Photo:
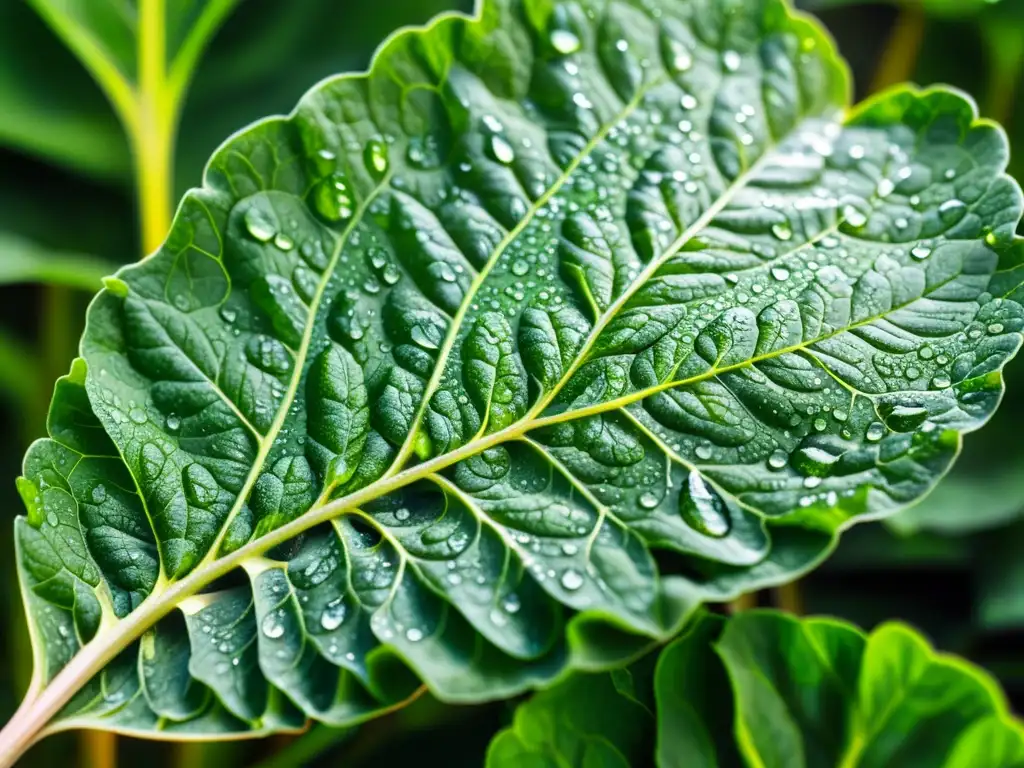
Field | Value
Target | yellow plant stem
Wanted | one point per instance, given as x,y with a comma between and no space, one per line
900,55
153,137
789,598
744,602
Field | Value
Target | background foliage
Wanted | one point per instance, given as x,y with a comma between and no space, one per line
68,215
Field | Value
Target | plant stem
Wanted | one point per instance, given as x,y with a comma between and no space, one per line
744,602
900,55
153,139
789,598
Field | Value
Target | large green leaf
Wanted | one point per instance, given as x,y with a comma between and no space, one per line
497,360
805,693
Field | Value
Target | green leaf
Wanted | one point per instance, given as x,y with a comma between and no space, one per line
494,362
585,720
22,261
804,692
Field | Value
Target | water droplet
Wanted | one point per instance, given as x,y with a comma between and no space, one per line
520,267
52,519
941,381
332,200
921,252
952,211
572,579
283,242
173,423
402,513
995,328
703,451
564,41
885,187
814,461
812,481
228,315
782,231
333,615
876,431
413,635
501,150
511,603
702,508
731,61
272,625
853,217
778,459
780,273
857,152
689,101
420,337
138,416
648,500
99,494
258,226
906,418
375,155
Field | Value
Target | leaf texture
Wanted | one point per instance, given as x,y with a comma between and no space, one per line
770,690
496,361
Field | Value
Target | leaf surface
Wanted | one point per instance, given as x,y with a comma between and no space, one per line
767,689
496,361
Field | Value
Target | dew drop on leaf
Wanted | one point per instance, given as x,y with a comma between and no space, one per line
648,500
702,508
272,625
782,231
572,579
564,41
258,226
375,155
905,418
333,615
778,459
414,635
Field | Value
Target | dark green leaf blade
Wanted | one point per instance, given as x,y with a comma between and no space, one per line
497,360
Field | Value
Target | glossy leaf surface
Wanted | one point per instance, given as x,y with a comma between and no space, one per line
498,360
768,689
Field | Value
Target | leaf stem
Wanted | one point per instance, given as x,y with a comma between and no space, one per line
153,137
900,55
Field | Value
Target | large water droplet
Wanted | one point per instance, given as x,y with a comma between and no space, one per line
952,211
648,500
814,461
564,41
333,615
375,155
332,199
876,431
778,459
906,418
782,231
572,579
501,150
702,508
273,626
258,226
921,252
